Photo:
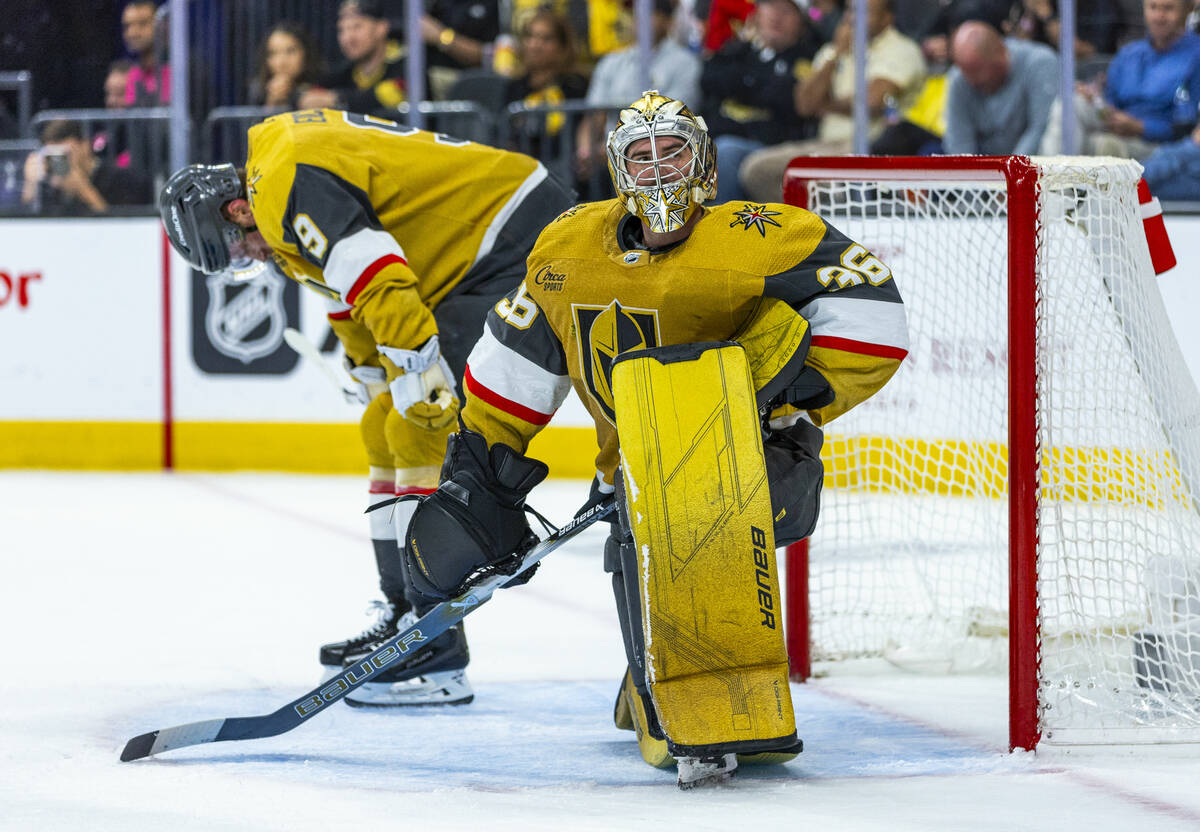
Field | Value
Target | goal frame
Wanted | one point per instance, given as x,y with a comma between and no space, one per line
1020,178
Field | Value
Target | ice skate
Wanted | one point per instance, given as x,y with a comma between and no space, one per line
333,656
434,675
445,687
695,772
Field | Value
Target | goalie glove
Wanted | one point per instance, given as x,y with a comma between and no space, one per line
474,521
424,392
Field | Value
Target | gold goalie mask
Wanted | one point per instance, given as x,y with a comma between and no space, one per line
663,182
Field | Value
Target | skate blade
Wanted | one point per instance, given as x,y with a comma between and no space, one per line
695,773
445,688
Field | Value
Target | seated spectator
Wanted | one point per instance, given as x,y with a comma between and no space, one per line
149,80
895,70
115,84
1095,25
749,86
617,80
457,35
919,130
547,54
373,79
112,140
935,43
1149,93
1173,170
288,64
1000,93
65,178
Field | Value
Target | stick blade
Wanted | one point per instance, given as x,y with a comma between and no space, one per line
164,739
139,747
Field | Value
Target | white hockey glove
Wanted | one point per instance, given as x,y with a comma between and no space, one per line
368,382
424,392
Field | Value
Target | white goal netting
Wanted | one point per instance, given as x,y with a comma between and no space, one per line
910,560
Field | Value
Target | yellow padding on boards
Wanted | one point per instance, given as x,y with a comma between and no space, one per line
318,448
701,514
80,446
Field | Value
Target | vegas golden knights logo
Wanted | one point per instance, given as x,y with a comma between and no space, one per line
605,332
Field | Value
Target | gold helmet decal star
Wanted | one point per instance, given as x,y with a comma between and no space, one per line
663,207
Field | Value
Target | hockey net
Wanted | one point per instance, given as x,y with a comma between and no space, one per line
1021,495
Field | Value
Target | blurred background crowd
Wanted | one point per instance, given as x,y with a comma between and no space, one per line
85,85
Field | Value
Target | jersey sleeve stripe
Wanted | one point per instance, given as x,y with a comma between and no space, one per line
352,255
520,387
337,310
369,272
859,347
475,388
858,320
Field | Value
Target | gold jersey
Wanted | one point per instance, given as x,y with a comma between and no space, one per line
591,293
381,219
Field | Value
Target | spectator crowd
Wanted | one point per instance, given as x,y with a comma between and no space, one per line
774,79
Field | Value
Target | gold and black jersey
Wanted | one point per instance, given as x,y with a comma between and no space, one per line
588,296
383,220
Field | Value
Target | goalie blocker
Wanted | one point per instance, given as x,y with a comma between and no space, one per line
693,555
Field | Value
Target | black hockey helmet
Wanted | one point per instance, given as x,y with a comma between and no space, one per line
190,205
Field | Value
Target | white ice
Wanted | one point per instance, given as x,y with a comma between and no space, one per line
139,601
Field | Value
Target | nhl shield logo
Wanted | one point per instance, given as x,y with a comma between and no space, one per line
246,318
605,332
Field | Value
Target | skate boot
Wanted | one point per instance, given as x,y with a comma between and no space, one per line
333,656
433,675
696,772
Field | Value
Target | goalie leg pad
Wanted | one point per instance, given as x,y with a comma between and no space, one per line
630,713
700,514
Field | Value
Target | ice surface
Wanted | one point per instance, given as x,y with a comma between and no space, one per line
138,601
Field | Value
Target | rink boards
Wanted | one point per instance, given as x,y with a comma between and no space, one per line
114,355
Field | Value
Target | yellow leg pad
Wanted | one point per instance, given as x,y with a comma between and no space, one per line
701,514
629,714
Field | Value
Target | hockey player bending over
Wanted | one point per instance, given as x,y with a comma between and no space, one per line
710,344
410,238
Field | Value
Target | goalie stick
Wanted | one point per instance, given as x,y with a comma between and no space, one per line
437,621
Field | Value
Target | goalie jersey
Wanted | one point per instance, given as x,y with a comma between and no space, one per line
384,220
591,293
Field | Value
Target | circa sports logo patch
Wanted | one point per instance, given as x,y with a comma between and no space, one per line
604,332
755,216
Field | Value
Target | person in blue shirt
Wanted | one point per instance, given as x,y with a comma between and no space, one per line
1173,170
1150,91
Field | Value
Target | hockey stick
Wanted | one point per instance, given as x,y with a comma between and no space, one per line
304,347
437,621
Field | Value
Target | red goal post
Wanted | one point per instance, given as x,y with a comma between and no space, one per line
1055,217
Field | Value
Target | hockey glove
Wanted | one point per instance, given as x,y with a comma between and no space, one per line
475,521
424,392
369,382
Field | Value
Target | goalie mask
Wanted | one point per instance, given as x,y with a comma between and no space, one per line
190,205
662,182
